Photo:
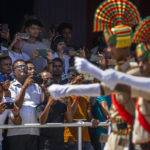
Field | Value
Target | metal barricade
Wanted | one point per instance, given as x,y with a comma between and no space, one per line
78,124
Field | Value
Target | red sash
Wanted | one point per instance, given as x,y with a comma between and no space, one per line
121,110
144,123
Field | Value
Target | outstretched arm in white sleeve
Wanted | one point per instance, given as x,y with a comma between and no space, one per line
58,91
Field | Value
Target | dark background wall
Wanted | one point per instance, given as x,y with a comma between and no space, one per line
58,11
78,12
12,12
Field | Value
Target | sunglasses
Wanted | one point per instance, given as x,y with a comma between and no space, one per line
21,66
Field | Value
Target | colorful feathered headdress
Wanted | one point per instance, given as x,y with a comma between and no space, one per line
142,38
116,17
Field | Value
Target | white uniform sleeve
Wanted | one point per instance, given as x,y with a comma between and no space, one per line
58,91
142,83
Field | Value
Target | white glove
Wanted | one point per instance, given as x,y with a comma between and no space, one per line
83,66
58,91
109,76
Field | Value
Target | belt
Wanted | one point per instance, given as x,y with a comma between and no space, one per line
121,127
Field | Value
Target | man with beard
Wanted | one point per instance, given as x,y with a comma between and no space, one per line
27,95
58,70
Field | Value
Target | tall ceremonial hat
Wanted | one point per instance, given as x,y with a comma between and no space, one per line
116,18
142,37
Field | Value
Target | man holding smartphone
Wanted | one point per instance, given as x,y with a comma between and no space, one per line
7,108
27,95
31,45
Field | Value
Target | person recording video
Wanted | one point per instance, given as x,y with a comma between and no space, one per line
7,106
27,95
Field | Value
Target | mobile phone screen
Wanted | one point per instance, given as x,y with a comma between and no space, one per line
42,52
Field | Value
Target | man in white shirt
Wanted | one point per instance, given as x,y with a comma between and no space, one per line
27,95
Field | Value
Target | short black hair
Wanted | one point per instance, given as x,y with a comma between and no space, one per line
31,22
28,62
3,58
57,60
63,26
57,39
13,66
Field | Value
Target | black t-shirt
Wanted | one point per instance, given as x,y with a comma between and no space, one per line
56,115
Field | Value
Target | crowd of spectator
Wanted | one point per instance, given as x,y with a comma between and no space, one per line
30,62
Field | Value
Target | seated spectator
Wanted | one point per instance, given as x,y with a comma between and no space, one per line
6,66
58,46
15,52
58,71
65,29
33,27
6,111
53,111
27,95
81,109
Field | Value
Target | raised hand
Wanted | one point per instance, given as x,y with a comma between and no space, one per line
82,65
15,111
2,107
28,82
34,55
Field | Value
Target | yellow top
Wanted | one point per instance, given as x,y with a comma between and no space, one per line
71,134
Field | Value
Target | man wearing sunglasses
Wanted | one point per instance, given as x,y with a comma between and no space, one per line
27,95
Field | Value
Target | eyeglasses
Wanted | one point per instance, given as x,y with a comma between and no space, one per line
21,66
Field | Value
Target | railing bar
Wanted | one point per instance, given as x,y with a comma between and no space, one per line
51,125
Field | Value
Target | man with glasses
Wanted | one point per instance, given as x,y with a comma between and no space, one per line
27,95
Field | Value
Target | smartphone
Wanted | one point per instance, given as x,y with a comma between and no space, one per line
9,105
37,79
5,27
24,36
42,52
88,77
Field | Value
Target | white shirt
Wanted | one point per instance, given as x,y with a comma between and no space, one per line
33,97
15,56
